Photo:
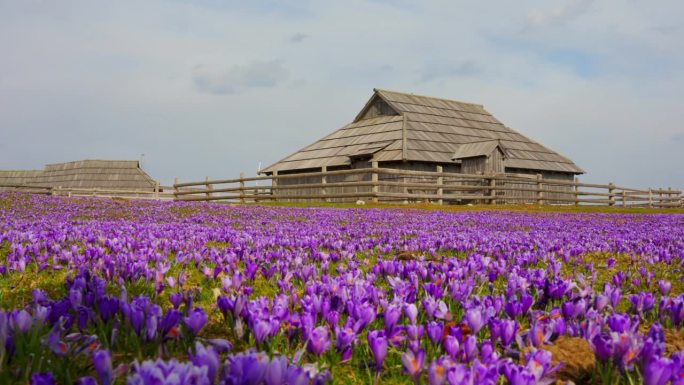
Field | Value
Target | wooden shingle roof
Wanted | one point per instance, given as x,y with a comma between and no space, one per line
19,176
476,149
104,174
425,129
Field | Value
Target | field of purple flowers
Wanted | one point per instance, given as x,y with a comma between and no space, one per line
121,292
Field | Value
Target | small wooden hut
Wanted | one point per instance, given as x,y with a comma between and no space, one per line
412,132
84,174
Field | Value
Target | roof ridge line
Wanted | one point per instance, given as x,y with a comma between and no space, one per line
426,96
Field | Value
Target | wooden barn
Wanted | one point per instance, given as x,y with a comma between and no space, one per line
411,132
84,174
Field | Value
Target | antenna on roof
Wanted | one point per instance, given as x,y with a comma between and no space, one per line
141,159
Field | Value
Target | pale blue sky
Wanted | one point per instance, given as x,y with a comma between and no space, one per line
214,87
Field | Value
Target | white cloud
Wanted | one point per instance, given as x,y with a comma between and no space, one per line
299,37
558,16
257,74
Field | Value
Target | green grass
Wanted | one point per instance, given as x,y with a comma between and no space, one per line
16,288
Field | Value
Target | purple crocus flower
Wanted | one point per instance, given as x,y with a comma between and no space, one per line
469,348
344,337
195,320
43,379
161,372
261,330
518,375
54,342
413,363
602,345
21,321
411,312
276,371
513,309
136,316
169,322
474,319
107,307
539,365
451,346
319,341
378,345
435,331
246,368
415,332
507,331
601,301
437,372
176,299
224,304
75,297
151,325
658,371
102,361
539,334
206,357
664,287
392,315
297,376
626,349
459,374
396,336
220,345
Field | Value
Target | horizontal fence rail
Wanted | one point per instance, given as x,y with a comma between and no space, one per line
159,192
393,185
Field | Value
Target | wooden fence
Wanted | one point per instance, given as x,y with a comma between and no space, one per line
392,185
159,192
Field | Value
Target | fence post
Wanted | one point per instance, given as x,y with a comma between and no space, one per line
324,181
440,184
624,198
540,193
405,190
175,189
374,181
576,190
242,187
660,198
274,186
209,186
611,196
650,197
156,190
492,190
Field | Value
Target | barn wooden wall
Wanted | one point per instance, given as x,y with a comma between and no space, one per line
467,167
565,192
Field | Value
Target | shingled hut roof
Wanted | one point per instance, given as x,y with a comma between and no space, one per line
105,174
396,126
11,177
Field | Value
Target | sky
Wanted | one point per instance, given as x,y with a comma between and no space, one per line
214,88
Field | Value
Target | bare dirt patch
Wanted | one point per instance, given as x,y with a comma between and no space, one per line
674,341
577,359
